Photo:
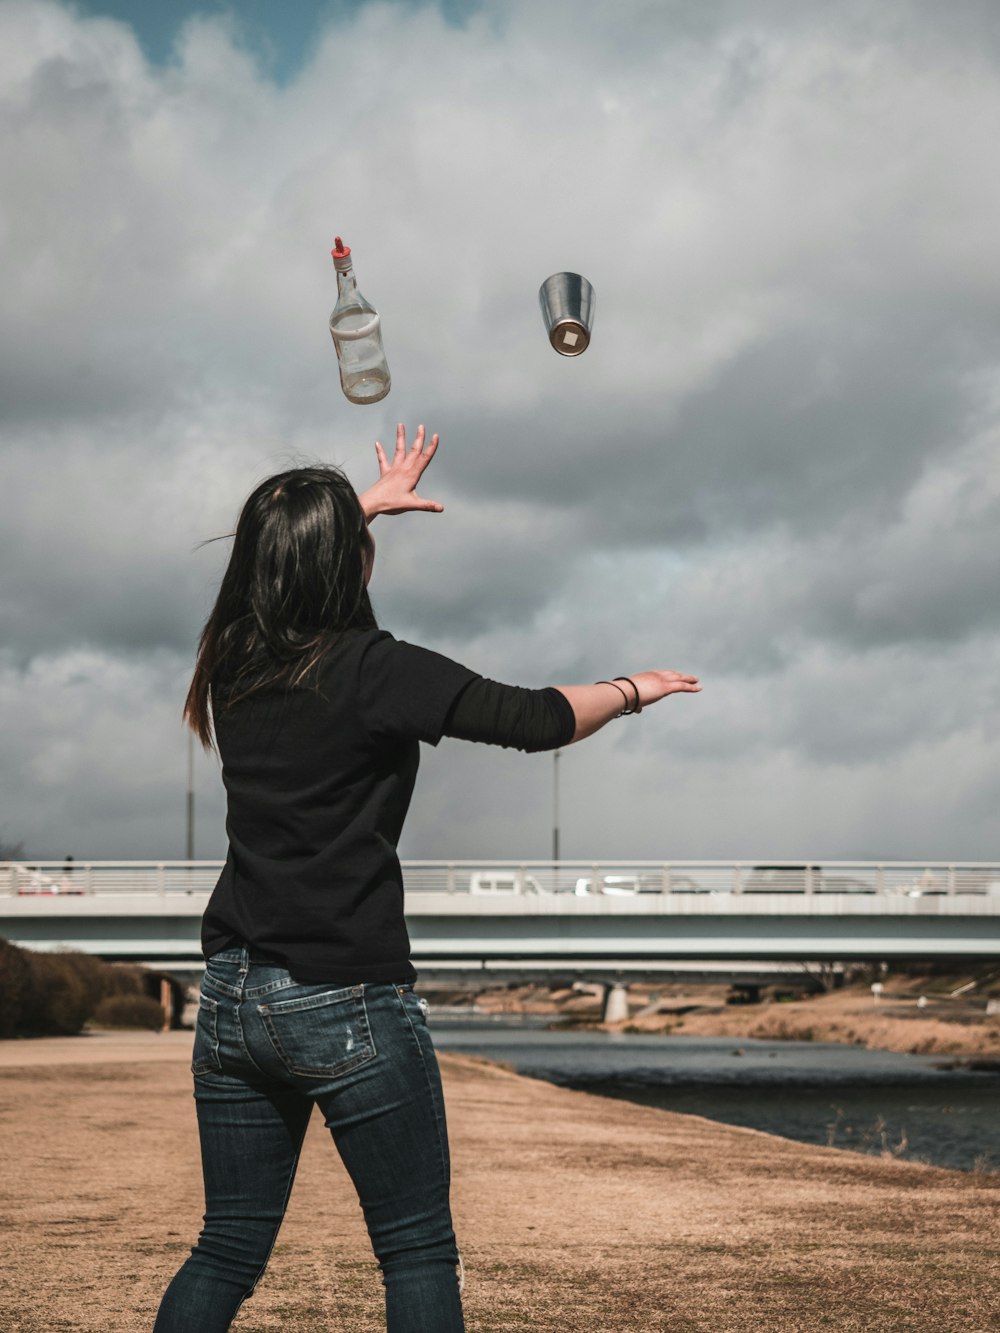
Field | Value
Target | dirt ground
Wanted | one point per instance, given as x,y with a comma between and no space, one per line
575,1214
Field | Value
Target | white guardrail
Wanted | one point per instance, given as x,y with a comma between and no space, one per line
495,879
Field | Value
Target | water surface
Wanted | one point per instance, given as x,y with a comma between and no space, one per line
912,1106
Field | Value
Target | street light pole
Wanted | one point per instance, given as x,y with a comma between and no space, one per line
556,755
189,841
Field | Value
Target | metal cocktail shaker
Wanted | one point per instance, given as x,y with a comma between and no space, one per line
567,301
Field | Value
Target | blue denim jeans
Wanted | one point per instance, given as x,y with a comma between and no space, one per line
266,1049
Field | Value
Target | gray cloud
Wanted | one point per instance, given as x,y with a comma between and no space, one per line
776,465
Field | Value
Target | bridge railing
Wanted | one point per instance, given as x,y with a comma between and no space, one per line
498,878
50,878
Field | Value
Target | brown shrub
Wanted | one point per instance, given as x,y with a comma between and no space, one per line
14,984
60,995
64,990
129,1011
54,994
126,979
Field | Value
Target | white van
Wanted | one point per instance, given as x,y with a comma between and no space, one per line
503,882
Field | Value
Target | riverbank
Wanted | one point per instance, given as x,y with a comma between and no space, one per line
575,1213
914,1015
893,1025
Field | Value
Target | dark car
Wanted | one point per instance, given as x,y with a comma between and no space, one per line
843,884
785,878
802,879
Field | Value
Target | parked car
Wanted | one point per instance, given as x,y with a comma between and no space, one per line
503,882
842,884
627,885
802,879
620,885
782,879
928,883
977,879
685,884
32,881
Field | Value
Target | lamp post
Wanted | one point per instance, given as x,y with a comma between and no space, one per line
189,840
556,755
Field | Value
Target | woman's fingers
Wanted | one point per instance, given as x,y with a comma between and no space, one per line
658,684
682,684
400,477
421,448
395,492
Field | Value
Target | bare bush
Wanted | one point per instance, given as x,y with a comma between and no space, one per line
129,1011
14,987
55,994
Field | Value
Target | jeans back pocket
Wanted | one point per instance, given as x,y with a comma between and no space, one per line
205,1056
320,1035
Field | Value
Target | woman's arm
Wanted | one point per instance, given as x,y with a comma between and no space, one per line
489,710
509,715
558,715
395,492
595,705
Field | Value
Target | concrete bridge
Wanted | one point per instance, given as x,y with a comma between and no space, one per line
751,923
586,919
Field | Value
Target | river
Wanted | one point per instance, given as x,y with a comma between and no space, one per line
912,1106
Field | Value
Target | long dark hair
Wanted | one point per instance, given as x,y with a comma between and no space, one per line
295,580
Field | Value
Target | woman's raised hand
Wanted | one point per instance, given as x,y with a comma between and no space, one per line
395,492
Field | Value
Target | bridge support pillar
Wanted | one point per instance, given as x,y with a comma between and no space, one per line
615,1003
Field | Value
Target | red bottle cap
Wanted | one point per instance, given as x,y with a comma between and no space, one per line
340,250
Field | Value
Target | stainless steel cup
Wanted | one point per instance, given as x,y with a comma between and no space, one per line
567,302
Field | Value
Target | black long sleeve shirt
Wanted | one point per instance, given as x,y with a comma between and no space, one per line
318,782
529,720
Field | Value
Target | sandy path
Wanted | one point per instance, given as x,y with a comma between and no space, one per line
575,1214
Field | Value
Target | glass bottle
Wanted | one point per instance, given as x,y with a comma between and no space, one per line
356,330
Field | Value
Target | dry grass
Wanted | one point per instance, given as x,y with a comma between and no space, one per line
850,1018
576,1214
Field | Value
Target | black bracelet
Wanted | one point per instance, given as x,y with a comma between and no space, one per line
637,706
625,708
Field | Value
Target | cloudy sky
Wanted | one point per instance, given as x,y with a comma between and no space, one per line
776,466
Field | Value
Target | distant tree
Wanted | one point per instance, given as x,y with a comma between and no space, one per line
10,851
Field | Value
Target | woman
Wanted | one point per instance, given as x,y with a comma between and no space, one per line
308,992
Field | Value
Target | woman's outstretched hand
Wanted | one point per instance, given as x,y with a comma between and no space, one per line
395,492
656,685
595,705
